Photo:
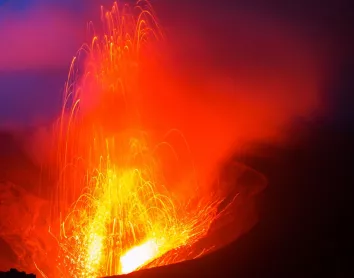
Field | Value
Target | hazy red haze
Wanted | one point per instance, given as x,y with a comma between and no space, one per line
221,85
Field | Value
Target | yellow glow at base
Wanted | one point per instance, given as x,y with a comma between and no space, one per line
138,256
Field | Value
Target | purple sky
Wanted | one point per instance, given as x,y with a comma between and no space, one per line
40,37
39,40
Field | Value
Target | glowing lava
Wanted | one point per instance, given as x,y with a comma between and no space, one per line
116,212
139,255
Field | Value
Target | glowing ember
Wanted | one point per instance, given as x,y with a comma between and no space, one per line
123,216
139,255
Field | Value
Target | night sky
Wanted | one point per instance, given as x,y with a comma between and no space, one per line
40,37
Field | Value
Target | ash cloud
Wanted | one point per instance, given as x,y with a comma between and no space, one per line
225,77
235,78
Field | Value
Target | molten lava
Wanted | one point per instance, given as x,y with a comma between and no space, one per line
117,211
139,255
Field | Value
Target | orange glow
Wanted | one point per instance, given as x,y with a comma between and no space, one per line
117,211
139,255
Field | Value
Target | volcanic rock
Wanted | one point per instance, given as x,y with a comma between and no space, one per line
14,273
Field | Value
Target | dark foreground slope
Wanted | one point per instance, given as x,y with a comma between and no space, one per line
304,228
13,273
306,212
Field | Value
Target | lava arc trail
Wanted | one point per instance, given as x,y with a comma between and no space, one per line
131,192
117,212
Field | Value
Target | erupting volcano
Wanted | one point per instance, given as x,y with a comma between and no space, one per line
124,217
117,204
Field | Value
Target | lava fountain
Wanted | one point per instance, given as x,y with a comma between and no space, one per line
117,212
126,197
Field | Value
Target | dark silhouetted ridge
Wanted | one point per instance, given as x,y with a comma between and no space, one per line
14,273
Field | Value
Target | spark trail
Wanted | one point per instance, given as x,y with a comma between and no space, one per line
116,211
